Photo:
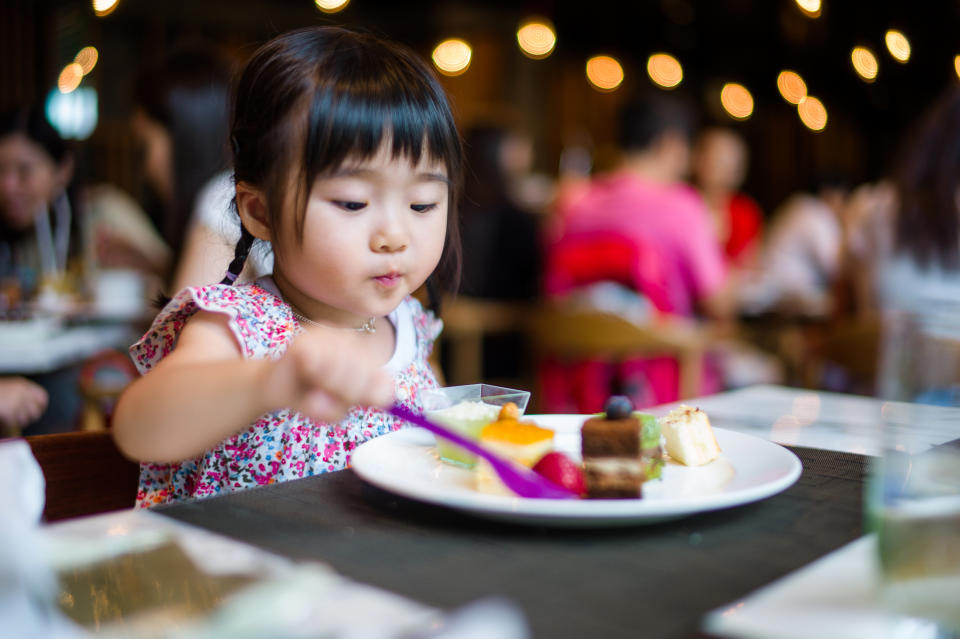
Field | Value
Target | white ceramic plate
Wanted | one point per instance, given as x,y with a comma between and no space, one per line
750,469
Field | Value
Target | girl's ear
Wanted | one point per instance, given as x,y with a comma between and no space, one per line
252,207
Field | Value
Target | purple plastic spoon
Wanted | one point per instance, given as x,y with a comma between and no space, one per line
517,478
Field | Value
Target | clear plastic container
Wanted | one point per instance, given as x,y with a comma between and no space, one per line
467,409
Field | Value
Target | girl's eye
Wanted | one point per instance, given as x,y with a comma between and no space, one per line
423,208
350,206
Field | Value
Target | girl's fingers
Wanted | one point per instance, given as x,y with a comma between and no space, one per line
335,374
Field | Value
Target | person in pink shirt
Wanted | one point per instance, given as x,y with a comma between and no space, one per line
644,229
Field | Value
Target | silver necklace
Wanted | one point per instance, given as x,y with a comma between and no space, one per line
367,326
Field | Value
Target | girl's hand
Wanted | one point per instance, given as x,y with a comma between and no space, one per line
21,402
324,372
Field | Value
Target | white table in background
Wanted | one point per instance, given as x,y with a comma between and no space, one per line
817,419
62,346
836,595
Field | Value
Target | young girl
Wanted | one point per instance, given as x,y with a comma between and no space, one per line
346,161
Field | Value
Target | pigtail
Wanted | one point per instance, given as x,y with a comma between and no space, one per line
239,256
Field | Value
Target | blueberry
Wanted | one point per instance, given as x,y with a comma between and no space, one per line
618,407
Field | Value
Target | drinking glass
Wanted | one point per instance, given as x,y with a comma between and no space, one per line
467,409
913,499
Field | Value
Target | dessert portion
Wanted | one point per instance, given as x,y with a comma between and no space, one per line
523,442
621,450
689,436
467,417
562,471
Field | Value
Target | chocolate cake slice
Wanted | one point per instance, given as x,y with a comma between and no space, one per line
621,450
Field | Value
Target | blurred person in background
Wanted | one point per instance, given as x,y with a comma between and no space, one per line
55,234
904,232
801,259
180,118
719,167
501,238
636,241
501,251
55,240
40,217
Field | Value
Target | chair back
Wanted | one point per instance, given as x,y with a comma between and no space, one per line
573,333
466,321
580,258
85,474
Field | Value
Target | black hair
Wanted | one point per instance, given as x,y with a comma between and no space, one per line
312,98
32,122
928,183
644,118
187,93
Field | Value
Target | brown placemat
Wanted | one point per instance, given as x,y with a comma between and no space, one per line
652,581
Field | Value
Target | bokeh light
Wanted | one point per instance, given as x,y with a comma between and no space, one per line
604,72
898,45
104,7
452,56
87,59
536,38
664,70
864,63
791,86
70,77
956,65
812,113
736,100
810,8
74,115
331,6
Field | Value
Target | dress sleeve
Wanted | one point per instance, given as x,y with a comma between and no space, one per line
261,324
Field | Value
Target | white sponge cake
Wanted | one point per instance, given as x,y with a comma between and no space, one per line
688,436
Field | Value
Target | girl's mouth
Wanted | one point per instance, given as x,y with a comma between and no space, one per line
388,280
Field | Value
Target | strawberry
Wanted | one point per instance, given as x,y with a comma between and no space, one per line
560,469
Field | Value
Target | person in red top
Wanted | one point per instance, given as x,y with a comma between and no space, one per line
636,241
719,167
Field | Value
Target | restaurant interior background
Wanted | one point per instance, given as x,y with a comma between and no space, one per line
746,44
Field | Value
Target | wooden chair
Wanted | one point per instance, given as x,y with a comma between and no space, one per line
852,344
85,474
573,334
466,321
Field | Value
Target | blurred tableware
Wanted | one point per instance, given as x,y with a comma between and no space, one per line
29,330
521,480
913,497
11,293
119,293
467,409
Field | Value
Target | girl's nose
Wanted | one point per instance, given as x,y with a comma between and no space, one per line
389,237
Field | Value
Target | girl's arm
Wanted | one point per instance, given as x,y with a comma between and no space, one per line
204,391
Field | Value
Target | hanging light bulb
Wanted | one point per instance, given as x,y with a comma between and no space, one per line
604,72
452,56
664,70
791,86
536,38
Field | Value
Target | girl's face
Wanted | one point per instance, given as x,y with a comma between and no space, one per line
29,180
373,232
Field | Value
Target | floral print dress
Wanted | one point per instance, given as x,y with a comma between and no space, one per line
284,444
